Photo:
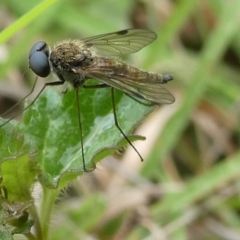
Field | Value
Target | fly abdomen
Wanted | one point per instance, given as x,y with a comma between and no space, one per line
139,75
161,78
117,69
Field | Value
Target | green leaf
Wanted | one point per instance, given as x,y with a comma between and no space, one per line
18,165
52,123
24,228
5,235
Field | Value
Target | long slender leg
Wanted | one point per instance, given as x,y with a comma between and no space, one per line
79,116
80,127
118,127
45,85
115,119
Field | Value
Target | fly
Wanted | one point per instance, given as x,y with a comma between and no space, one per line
76,61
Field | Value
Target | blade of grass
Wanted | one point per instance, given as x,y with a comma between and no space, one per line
25,20
178,207
177,19
225,171
214,47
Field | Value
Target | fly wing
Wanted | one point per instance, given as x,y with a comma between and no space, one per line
148,90
119,43
152,92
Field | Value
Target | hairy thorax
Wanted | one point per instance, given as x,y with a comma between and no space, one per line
68,55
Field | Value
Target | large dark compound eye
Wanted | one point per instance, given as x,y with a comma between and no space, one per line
38,59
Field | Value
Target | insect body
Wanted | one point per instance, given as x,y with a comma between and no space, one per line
76,61
93,58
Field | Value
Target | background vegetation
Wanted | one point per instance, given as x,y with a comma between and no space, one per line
188,186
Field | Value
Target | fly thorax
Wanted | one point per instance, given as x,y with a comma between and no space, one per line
65,56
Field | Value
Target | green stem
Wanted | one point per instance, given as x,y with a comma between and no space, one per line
37,225
49,196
